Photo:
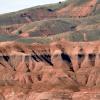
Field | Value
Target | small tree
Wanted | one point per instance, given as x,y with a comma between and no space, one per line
19,32
60,2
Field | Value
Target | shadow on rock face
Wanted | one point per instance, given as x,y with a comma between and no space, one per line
67,59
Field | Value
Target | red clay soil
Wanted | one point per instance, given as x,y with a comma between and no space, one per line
59,71
24,35
79,10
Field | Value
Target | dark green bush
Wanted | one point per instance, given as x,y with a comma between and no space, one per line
18,32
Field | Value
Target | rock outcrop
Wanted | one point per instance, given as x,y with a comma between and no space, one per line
60,66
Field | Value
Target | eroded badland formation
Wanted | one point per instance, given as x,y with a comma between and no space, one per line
37,63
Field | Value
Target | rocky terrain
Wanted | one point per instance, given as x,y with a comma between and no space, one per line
51,52
59,71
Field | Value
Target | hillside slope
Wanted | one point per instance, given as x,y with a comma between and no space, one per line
51,52
73,16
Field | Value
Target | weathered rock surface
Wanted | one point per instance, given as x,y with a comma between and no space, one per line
40,68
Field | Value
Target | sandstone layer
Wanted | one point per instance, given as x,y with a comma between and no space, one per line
68,68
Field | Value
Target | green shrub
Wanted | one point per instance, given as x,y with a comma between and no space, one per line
93,36
76,37
18,32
